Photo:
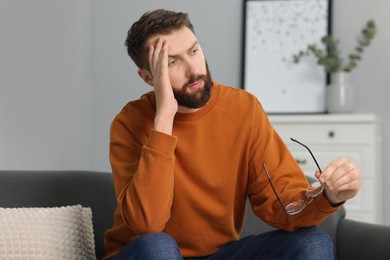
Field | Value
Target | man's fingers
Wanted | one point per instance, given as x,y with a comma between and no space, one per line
348,174
157,51
340,172
331,168
158,58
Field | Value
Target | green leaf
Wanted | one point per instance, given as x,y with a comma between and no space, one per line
329,56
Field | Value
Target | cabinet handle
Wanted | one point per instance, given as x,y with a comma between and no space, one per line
331,134
301,161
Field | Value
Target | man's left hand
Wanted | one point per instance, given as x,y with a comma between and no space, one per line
342,179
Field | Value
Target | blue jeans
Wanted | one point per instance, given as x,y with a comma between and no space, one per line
305,243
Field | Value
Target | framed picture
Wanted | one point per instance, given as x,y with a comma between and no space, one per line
274,31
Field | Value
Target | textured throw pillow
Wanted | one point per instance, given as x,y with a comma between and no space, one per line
46,233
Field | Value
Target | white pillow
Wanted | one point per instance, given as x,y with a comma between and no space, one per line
46,233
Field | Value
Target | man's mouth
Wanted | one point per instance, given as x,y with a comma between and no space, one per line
196,85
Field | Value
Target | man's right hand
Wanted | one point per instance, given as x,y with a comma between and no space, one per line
166,104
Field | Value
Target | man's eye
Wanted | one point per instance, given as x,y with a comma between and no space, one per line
172,62
194,51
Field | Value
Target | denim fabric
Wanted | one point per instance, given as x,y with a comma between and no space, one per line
305,243
150,247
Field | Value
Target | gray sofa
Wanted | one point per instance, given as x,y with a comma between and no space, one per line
353,240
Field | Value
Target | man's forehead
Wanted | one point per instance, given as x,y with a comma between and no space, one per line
175,39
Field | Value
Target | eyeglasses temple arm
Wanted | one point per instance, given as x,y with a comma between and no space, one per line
273,188
318,166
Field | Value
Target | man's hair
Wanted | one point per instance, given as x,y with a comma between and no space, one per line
150,24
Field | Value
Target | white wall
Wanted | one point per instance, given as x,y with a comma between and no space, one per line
64,72
45,91
371,78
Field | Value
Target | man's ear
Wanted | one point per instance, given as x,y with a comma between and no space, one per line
146,76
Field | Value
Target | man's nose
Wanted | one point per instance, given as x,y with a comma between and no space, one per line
191,68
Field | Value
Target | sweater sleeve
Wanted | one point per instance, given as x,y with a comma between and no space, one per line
286,176
143,172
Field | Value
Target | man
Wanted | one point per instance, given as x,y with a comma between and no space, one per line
187,155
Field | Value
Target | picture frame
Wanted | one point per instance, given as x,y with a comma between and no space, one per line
274,31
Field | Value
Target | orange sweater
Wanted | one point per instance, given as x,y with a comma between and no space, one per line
194,185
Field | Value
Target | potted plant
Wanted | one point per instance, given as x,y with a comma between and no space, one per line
330,58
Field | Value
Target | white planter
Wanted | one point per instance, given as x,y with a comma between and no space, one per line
340,93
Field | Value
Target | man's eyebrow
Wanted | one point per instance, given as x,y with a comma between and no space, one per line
193,45
189,49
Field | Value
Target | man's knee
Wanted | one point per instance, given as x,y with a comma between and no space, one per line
151,246
156,240
314,241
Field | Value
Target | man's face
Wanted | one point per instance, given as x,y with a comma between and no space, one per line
187,69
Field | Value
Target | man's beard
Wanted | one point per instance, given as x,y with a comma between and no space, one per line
200,97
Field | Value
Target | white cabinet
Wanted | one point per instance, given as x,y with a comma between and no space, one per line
354,136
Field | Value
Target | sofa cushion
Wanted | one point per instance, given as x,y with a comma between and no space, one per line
46,233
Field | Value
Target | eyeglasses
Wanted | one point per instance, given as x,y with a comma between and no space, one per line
312,191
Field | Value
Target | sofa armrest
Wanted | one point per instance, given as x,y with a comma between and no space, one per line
359,240
330,225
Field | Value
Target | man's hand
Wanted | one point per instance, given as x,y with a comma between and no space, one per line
342,180
166,104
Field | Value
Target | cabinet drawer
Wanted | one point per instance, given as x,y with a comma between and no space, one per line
362,156
327,133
